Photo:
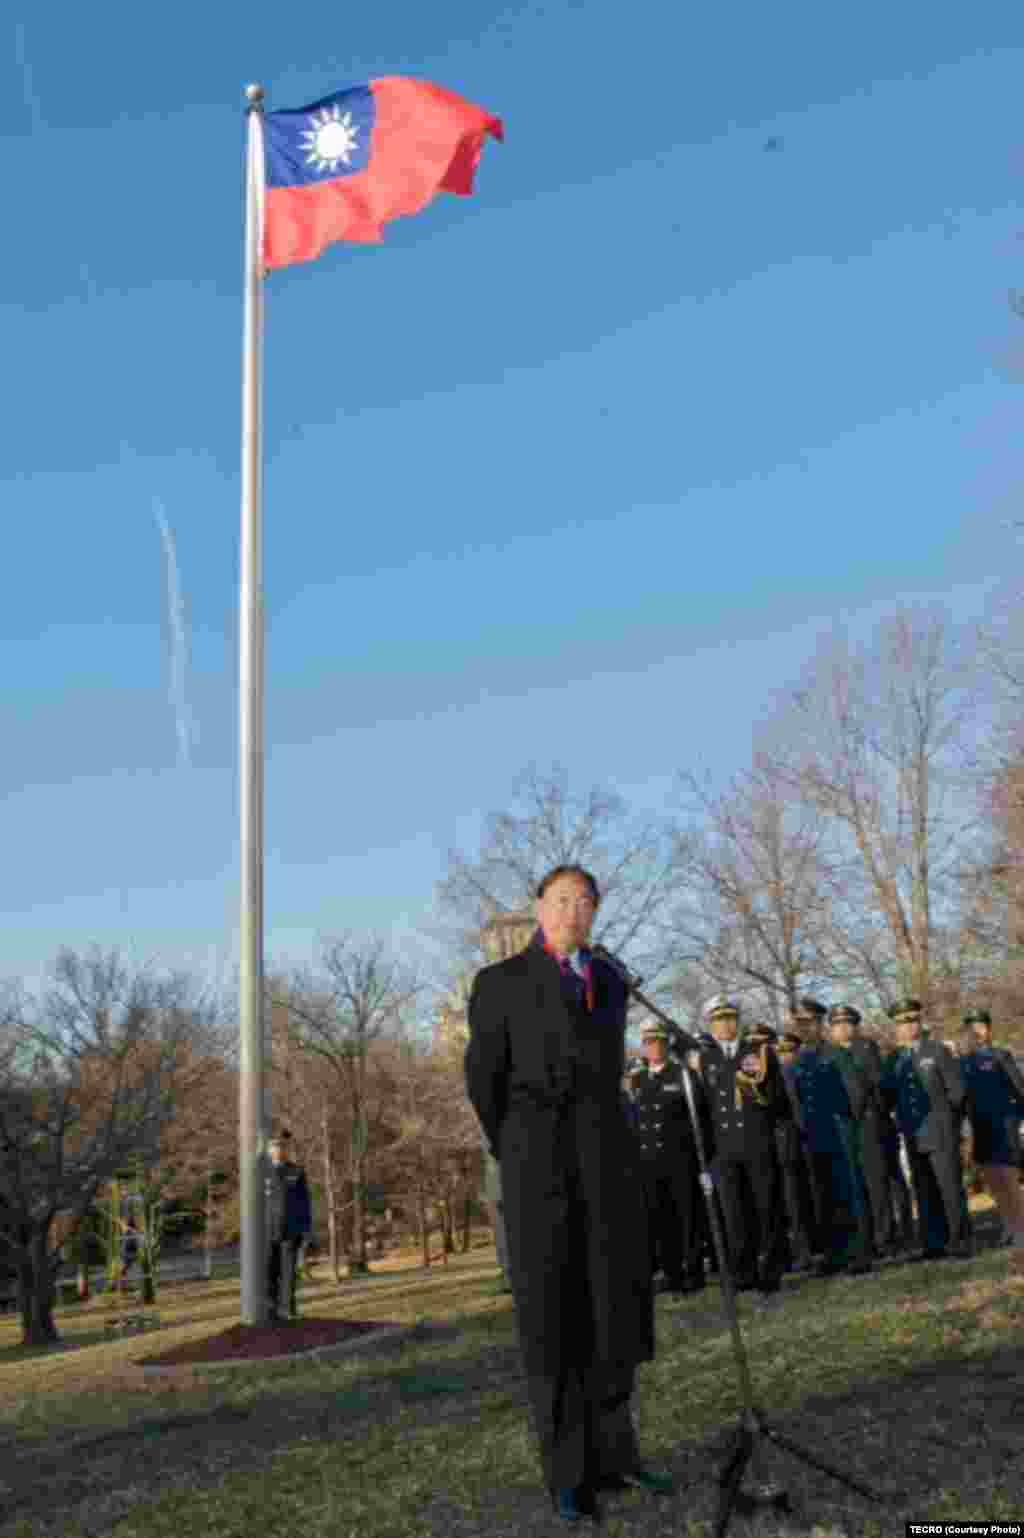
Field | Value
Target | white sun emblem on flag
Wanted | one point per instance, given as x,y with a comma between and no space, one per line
331,139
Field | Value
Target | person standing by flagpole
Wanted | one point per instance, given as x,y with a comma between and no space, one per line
337,169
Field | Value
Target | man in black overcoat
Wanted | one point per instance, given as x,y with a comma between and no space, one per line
544,1069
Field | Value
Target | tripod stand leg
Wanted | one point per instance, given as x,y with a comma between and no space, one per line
814,1462
731,1477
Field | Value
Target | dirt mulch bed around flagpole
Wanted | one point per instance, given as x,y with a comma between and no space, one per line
260,1342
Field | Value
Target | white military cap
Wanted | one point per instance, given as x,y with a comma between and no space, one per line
721,1004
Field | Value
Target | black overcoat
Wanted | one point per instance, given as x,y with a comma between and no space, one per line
544,1076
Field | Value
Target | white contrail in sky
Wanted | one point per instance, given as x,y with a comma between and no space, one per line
178,637
32,101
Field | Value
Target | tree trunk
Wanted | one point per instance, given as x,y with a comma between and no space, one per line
358,1264
208,1229
148,1281
331,1197
36,1293
467,1224
421,1214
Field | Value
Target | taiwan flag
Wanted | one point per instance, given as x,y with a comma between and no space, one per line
340,168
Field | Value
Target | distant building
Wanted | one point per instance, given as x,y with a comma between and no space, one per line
502,936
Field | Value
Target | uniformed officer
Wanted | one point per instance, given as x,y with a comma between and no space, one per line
746,1100
669,1164
994,1088
925,1090
797,1180
831,1101
856,1055
289,1219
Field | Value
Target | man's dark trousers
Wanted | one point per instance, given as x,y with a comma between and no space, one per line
282,1269
673,1203
750,1190
582,1417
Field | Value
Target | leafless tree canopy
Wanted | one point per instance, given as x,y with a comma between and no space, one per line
751,904
359,997
547,823
88,1080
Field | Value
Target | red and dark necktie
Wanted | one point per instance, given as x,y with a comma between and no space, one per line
579,987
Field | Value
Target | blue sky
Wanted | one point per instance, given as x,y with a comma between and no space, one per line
574,470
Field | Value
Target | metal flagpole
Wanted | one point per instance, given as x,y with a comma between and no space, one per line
250,741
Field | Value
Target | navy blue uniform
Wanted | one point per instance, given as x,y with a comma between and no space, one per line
671,1175
831,1102
803,1206
289,1218
745,1164
994,1089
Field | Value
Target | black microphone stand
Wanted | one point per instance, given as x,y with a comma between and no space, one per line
752,1426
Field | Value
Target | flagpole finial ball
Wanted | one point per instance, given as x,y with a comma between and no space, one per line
254,95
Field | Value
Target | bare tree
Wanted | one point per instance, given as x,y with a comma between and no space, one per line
751,903
435,1163
548,823
358,995
882,734
87,1086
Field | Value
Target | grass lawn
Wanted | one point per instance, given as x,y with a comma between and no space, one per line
912,1379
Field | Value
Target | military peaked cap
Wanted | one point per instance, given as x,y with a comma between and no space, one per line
841,1013
906,1009
809,1006
720,1005
977,1017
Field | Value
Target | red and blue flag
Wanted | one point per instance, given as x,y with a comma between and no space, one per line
343,166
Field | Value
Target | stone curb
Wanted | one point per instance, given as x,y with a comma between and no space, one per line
393,1334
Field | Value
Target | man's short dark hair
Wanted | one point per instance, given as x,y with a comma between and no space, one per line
570,870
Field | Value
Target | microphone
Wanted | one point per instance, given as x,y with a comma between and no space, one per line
682,1041
619,967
